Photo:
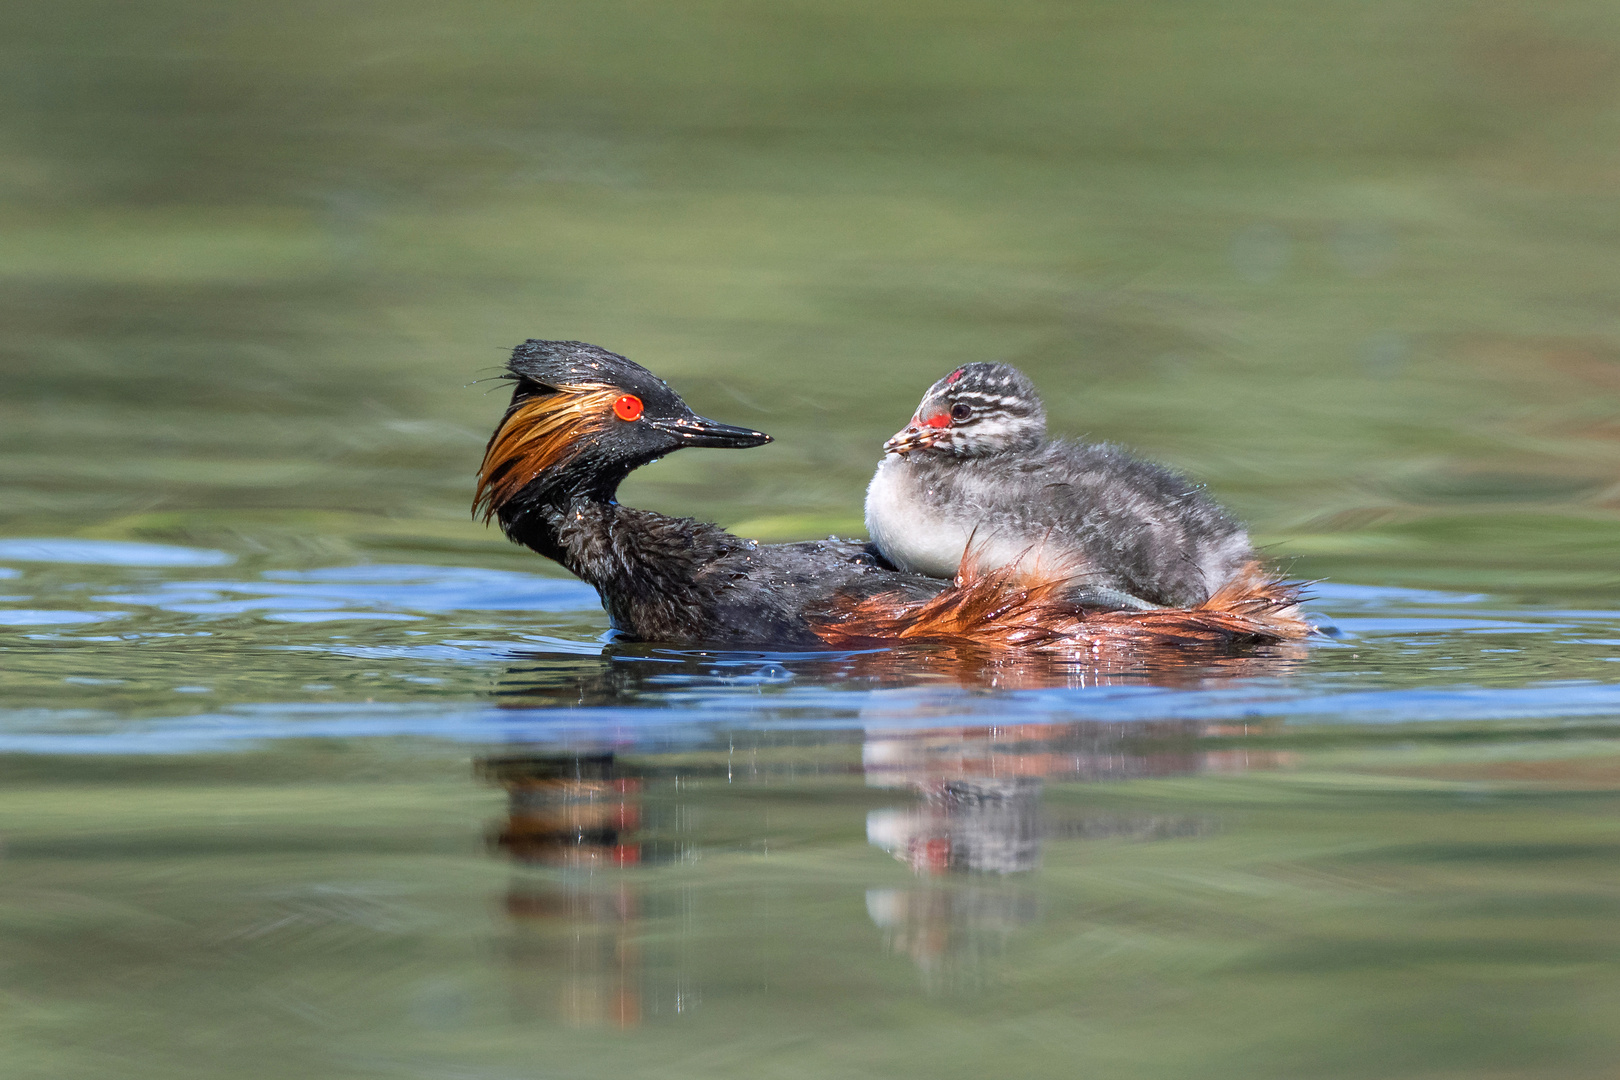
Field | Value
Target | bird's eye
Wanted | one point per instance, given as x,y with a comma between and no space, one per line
627,407
960,412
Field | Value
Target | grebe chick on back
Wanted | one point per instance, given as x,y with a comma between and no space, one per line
974,468
582,418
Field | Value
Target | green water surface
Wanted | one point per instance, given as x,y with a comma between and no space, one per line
1355,266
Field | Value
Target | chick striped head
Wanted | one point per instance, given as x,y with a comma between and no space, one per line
974,411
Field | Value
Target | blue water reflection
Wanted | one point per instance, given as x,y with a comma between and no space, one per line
107,553
368,591
517,657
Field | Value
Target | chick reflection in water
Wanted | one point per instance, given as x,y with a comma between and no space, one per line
980,821
574,951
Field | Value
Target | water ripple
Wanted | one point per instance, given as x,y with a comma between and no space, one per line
108,553
491,656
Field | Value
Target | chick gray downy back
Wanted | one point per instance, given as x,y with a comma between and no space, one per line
974,466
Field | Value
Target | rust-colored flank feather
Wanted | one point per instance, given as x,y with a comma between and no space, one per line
1009,608
537,434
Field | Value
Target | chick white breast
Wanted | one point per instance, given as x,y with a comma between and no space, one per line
923,522
908,524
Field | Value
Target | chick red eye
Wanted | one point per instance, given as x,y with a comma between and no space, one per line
961,412
628,407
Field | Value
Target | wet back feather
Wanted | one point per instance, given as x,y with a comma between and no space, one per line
1007,608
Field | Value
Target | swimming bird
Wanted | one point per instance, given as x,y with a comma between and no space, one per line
582,418
975,471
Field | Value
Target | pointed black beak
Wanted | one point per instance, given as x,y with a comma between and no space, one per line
698,431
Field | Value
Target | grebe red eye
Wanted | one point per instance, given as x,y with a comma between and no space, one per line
960,411
627,407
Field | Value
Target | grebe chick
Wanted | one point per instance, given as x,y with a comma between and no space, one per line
974,467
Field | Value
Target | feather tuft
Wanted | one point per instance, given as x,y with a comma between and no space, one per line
538,434
1009,608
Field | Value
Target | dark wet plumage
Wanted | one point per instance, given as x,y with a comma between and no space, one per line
663,578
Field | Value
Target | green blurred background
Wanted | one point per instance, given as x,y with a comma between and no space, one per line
1351,264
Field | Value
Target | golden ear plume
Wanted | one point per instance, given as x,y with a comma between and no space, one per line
537,434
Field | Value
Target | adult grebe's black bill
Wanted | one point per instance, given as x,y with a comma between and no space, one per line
700,431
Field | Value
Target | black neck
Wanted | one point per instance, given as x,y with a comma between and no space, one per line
547,515
647,567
